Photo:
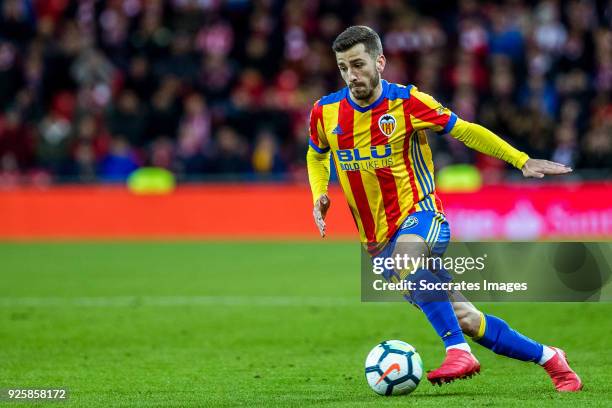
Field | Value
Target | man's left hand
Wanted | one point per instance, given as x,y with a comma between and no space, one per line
540,168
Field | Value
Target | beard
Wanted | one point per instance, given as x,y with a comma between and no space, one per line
364,91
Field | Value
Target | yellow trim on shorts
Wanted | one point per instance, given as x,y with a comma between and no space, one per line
433,234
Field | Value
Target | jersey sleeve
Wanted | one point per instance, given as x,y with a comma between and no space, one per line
317,157
317,139
427,113
483,140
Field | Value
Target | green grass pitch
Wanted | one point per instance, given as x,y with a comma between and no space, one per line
253,324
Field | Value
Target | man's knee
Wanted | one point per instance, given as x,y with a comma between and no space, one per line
469,320
410,245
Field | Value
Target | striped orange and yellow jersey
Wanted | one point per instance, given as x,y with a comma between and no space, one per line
382,158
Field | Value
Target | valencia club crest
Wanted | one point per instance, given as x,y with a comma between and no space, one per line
386,124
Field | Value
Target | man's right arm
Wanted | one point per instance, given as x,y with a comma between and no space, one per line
318,172
317,163
317,157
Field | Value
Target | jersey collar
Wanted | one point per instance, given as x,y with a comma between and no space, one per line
383,95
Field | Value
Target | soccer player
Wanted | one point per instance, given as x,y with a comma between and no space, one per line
376,133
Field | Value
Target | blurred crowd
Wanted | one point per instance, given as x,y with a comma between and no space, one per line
91,89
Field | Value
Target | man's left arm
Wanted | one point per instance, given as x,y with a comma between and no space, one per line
483,140
427,113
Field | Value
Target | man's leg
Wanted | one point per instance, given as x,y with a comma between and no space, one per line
436,305
495,334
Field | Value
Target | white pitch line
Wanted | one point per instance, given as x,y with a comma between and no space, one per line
165,301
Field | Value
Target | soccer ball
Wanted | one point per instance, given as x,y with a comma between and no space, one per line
393,367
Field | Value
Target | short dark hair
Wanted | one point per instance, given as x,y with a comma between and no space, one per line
359,35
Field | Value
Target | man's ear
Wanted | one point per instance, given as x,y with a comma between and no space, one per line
381,61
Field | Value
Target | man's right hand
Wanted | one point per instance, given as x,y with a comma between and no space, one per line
320,211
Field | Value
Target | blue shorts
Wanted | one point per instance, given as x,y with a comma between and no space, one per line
435,231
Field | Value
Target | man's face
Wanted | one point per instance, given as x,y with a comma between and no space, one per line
360,71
